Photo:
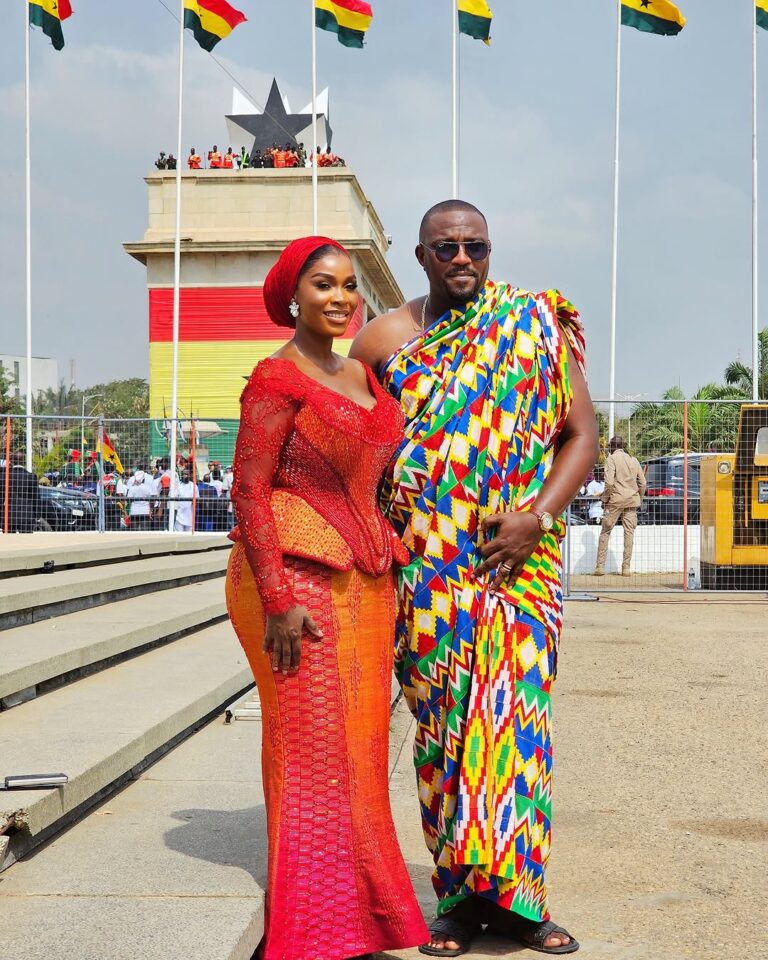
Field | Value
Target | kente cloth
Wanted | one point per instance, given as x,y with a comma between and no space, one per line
485,392
307,466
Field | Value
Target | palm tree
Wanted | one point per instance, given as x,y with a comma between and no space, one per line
739,375
63,401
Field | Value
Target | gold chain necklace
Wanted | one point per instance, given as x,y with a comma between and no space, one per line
424,313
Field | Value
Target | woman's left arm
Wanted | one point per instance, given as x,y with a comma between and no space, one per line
518,533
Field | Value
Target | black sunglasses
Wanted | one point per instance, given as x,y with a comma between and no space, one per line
447,250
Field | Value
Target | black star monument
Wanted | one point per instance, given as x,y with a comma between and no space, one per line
276,125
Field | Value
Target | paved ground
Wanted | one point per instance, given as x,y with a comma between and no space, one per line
661,818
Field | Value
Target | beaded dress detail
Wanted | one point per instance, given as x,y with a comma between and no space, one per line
301,437
307,468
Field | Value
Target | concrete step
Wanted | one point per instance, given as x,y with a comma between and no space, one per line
28,553
170,868
40,656
39,596
104,728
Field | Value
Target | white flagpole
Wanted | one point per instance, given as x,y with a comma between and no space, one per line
176,282
615,249
28,238
314,122
455,97
755,268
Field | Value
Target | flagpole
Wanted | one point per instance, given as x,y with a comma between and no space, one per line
455,98
176,283
755,266
28,237
615,247
314,123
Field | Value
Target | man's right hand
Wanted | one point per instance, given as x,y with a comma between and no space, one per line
282,639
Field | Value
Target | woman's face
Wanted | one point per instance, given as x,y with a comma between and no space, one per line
327,295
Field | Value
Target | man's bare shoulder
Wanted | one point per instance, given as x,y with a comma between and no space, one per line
380,338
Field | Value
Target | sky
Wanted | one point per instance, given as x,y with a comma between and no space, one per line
537,124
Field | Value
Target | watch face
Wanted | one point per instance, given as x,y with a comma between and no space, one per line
547,522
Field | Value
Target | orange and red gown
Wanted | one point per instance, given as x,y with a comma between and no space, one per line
307,466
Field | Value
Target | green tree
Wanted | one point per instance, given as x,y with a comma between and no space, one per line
62,402
8,403
739,375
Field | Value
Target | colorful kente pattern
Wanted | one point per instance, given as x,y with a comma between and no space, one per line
486,393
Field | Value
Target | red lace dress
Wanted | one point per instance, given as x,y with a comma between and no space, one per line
307,467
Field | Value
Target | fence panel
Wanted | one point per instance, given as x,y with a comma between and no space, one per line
681,445
702,523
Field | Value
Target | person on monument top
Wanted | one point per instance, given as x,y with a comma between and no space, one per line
170,162
257,160
500,434
228,162
161,163
214,158
193,160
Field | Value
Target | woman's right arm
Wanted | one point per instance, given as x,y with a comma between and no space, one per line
266,421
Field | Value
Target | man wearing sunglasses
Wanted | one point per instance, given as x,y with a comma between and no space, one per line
500,435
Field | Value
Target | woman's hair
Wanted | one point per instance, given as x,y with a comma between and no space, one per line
294,261
324,251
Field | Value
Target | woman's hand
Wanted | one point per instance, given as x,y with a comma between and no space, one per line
516,537
283,638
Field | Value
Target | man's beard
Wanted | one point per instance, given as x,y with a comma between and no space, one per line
462,288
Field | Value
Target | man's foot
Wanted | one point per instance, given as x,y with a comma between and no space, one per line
545,937
626,572
453,933
599,572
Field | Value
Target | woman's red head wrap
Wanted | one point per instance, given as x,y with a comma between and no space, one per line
280,285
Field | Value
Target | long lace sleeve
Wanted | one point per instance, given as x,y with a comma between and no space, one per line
266,420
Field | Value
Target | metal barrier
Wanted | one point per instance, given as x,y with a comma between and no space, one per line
102,474
703,521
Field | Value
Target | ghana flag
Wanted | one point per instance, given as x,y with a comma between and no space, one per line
211,20
762,14
475,19
48,14
652,16
348,19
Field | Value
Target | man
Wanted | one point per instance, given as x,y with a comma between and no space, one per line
184,515
214,158
140,494
71,472
193,160
500,434
161,163
625,485
23,496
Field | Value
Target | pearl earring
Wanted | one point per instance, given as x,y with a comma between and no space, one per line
293,309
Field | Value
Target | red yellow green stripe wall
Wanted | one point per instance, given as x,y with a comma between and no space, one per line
48,15
211,20
348,19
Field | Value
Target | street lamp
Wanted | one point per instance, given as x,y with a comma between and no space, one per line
92,396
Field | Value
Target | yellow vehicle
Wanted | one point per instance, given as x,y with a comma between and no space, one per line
734,508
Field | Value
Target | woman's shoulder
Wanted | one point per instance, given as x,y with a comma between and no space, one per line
274,377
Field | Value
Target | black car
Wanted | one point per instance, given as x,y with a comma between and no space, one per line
664,496
63,508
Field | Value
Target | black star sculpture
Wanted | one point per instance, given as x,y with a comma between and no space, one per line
276,125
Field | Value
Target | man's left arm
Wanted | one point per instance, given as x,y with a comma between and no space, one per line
517,533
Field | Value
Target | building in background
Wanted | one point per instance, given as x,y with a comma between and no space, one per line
45,374
235,223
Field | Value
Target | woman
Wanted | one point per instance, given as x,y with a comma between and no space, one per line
311,596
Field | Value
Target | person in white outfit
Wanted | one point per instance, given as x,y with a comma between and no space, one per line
183,521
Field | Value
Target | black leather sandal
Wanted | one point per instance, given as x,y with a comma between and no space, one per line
450,928
533,936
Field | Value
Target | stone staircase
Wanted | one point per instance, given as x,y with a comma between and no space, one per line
115,655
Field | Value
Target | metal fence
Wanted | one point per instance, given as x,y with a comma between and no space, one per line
97,474
702,523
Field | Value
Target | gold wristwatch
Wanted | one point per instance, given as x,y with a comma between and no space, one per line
546,520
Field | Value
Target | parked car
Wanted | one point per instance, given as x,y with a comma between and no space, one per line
664,497
63,508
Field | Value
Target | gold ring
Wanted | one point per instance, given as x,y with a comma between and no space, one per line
506,568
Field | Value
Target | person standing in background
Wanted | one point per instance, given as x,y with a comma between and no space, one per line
625,485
